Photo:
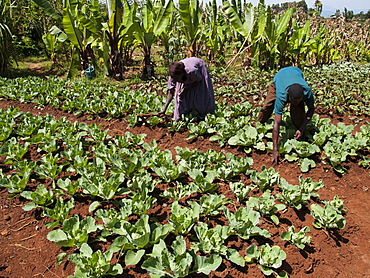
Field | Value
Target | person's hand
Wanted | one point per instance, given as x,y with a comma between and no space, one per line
160,113
275,157
298,134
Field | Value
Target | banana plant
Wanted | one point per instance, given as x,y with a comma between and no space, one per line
215,32
300,42
5,36
243,23
81,23
170,43
191,16
275,39
118,27
151,20
84,27
128,43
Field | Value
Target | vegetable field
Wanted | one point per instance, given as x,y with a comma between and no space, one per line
93,187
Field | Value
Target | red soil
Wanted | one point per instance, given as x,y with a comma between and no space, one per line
344,253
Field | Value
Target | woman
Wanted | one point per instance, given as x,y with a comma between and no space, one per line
191,86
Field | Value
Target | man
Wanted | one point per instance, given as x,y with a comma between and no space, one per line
288,86
191,87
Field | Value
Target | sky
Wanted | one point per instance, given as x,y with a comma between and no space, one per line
351,5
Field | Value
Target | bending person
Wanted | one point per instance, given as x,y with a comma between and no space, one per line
288,86
191,87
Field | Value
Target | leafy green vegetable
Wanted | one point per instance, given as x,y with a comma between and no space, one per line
205,182
212,241
49,168
68,186
184,218
299,238
241,190
74,232
234,166
244,223
248,136
59,213
265,204
211,205
15,184
297,196
137,235
178,262
93,264
13,150
168,172
265,179
179,191
337,204
330,216
41,197
94,182
269,258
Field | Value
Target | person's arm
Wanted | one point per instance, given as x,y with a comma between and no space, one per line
170,94
187,88
301,131
275,139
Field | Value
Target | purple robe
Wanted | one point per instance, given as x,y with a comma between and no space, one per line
199,98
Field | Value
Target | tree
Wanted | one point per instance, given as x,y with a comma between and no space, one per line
152,19
191,16
348,14
318,6
6,45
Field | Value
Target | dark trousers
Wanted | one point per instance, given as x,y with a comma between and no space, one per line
297,112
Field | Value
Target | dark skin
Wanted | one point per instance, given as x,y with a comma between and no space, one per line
298,134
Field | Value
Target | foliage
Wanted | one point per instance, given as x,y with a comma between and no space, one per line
74,232
299,238
330,216
244,222
297,196
268,257
123,176
93,264
240,190
5,37
178,262
265,179
265,204
184,218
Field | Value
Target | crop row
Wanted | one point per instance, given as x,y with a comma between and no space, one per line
234,122
124,178
341,88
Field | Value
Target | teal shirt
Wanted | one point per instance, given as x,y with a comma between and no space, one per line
283,79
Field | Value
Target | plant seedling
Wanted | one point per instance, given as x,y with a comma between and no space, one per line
299,238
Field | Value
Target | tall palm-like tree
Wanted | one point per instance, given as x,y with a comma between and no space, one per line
191,16
5,37
152,19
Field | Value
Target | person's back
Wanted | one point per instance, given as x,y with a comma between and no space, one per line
191,87
283,80
288,86
200,97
